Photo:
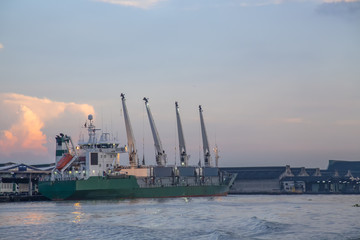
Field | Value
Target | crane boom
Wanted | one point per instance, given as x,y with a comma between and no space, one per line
133,158
160,153
205,140
184,158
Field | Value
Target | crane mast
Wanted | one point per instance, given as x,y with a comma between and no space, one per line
216,151
133,158
160,153
205,140
184,158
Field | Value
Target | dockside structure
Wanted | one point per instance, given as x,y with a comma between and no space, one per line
19,181
340,177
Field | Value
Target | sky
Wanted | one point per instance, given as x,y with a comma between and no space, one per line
278,80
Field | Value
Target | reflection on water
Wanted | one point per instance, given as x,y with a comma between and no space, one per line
232,217
77,213
33,218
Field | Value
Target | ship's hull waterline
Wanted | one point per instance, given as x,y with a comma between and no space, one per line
121,188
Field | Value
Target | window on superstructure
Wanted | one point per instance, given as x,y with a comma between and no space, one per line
94,159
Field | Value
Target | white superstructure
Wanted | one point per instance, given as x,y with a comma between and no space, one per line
95,157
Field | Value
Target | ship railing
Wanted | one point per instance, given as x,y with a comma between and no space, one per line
45,178
63,178
56,176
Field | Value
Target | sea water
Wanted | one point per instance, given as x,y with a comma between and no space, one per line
232,217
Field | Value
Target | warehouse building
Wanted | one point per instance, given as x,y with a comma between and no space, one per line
340,177
257,180
21,179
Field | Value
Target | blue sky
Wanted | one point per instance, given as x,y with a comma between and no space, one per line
278,80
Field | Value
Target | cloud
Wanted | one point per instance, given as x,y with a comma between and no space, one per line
133,3
24,119
1,46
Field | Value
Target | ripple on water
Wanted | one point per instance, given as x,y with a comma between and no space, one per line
233,217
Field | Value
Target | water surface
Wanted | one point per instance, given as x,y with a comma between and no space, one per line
232,217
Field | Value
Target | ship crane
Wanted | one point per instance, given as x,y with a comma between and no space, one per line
160,153
184,158
133,157
205,140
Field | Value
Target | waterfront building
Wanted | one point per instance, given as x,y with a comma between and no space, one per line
340,177
19,179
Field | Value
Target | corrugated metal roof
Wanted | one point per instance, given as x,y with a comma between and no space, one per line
20,166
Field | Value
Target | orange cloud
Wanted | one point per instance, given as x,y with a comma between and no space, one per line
29,115
34,138
25,133
7,140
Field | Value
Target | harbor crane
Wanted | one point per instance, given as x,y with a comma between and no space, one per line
133,157
160,153
184,158
207,159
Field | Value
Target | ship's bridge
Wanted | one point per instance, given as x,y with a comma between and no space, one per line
104,143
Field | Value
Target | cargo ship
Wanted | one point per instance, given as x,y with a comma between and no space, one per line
93,170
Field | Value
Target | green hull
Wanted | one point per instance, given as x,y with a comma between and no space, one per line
113,188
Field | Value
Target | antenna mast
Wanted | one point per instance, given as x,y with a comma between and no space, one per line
133,158
216,151
205,140
184,158
160,153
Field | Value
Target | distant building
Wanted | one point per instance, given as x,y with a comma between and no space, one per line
339,177
21,179
251,180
